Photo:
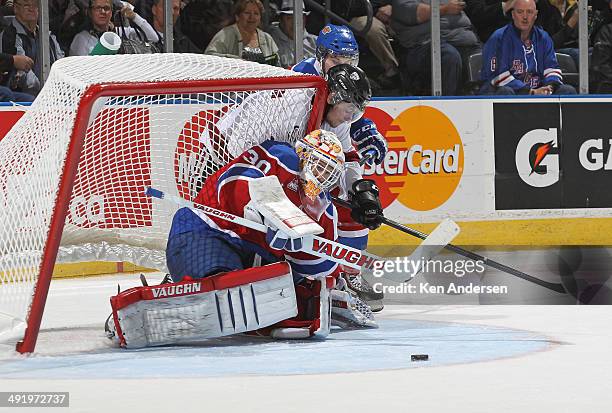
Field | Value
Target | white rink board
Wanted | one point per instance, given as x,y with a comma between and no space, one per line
474,197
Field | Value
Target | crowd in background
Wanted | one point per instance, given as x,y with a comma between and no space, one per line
395,51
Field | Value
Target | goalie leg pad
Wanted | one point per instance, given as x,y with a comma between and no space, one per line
216,306
314,312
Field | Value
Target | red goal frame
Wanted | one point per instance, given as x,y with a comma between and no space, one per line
70,167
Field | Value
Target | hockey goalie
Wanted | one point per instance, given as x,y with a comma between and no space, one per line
227,278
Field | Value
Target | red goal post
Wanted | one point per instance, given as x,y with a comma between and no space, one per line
169,119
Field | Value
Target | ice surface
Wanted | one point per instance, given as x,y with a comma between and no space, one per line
482,358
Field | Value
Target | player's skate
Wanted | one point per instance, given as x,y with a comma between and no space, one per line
358,286
348,310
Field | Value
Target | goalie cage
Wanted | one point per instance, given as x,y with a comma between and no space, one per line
74,167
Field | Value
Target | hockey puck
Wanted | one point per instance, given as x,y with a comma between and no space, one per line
419,357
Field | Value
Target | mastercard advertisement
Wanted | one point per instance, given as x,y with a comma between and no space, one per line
443,163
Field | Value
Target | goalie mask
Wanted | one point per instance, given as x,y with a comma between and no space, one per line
321,162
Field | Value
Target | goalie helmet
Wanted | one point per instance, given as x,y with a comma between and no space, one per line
321,162
338,43
350,85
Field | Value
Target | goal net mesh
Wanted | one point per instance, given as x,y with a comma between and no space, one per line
133,139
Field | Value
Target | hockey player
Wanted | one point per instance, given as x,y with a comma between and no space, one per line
201,246
336,59
335,45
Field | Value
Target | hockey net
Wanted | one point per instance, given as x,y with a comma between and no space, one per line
74,168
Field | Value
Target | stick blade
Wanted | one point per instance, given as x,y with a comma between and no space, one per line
431,246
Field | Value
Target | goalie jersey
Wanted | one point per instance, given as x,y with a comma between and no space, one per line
228,190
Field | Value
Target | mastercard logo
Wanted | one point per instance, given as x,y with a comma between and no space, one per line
424,164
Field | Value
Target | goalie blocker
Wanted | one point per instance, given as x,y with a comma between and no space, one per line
261,298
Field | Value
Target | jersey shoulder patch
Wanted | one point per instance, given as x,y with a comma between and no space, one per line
306,66
283,152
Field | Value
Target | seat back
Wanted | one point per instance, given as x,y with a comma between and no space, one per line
568,69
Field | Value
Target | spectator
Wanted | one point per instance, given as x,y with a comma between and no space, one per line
560,19
21,38
8,64
6,9
202,19
181,43
601,62
100,16
410,22
520,58
488,15
282,33
244,39
378,36
66,19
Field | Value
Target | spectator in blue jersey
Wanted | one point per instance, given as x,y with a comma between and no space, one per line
519,58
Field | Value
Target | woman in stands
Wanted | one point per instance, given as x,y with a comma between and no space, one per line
100,15
244,39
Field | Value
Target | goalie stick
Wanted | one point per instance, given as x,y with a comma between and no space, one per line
317,246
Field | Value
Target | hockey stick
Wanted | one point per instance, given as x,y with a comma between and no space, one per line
468,254
319,247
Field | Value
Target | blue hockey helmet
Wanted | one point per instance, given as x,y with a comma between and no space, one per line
338,41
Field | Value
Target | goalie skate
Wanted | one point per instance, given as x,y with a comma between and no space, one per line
348,310
360,288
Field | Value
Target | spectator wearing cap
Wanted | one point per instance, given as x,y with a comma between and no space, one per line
282,33
244,39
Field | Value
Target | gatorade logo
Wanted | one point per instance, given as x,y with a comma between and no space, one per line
425,160
537,157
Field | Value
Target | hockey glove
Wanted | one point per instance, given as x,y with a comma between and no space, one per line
365,204
279,240
368,139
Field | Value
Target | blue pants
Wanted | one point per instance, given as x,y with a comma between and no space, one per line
488,89
7,95
416,61
203,253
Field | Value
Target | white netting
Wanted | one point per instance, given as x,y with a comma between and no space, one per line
170,141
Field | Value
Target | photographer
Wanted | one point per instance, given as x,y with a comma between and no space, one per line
100,14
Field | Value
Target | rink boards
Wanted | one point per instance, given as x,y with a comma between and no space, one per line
512,171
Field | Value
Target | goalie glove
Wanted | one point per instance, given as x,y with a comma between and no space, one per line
369,140
365,204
